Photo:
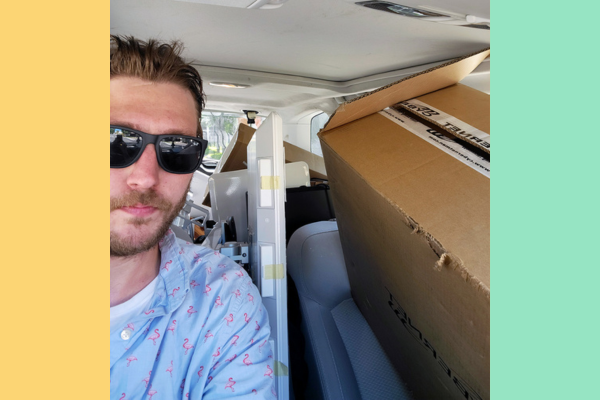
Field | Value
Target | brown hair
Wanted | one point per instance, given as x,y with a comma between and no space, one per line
156,62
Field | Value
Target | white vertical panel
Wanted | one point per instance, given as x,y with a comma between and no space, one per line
265,170
266,259
266,232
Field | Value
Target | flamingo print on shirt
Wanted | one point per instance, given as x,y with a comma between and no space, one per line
167,265
196,258
187,346
246,360
172,326
146,380
261,346
269,372
151,392
230,384
174,299
154,336
123,396
208,269
217,353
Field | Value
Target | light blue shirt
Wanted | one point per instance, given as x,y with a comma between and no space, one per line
204,334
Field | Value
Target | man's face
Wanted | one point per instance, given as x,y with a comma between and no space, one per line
144,198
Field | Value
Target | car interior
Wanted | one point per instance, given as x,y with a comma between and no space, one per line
292,64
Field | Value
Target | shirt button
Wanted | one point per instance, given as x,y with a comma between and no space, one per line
126,334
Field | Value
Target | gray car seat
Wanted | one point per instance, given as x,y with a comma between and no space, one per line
344,359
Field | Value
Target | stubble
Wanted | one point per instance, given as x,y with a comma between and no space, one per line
127,246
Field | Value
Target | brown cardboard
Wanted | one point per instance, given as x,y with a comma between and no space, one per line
234,158
316,165
462,102
408,88
414,227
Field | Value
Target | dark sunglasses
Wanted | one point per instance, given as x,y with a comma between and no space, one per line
177,154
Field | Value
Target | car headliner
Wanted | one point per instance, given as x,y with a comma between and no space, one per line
304,52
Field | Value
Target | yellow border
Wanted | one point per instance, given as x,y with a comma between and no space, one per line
55,100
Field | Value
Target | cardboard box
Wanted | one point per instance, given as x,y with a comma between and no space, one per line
316,165
414,224
234,157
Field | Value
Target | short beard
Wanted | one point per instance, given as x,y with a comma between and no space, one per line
124,247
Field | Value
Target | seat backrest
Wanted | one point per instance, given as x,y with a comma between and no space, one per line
316,264
345,360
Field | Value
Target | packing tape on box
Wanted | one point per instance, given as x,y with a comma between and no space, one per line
454,125
280,369
269,182
274,271
453,148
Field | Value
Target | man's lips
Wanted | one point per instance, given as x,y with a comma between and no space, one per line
139,210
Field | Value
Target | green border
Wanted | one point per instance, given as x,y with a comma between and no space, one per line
545,274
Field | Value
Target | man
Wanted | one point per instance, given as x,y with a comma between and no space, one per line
186,322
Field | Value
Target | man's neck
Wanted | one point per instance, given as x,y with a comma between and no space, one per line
129,275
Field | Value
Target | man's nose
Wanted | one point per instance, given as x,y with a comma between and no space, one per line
144,173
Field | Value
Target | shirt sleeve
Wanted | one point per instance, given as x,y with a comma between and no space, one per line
244,364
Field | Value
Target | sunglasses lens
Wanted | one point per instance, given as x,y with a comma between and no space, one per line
180,155
124,147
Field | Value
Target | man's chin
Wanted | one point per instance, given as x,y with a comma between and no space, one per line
139,234
137,238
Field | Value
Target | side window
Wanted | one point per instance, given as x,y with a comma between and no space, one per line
316,124
218,129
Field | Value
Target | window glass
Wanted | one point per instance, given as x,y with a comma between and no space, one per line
316,124
218,129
